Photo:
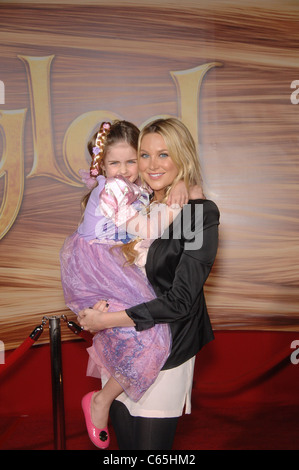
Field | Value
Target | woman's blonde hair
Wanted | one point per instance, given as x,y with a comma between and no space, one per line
182,150
181,147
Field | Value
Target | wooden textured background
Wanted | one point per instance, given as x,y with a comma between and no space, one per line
118,57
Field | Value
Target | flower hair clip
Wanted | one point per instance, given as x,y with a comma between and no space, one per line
97,151
89,181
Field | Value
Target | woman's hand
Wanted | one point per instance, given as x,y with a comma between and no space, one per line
94,319
98,318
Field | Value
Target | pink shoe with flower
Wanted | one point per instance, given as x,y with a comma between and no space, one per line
99,437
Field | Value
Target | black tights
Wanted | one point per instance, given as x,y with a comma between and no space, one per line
136,433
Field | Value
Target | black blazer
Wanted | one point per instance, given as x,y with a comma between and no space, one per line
177,266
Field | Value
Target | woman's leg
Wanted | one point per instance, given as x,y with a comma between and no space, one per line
136,433
155,433
122,423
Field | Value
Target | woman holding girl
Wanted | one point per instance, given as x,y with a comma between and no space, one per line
178,265
94,266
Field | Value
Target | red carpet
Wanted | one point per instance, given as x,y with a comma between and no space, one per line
211,428
245,397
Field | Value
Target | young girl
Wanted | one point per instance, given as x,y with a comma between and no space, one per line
94,267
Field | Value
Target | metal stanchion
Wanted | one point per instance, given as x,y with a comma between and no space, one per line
57,383
56,368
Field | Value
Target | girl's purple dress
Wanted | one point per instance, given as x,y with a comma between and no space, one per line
93,268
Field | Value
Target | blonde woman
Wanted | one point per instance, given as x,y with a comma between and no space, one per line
178,265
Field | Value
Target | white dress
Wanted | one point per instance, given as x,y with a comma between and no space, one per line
167,396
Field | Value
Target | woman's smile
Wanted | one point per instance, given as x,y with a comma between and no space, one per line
155,175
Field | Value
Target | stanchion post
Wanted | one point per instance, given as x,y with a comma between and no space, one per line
57,383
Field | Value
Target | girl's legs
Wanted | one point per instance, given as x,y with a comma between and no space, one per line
136,433
101,402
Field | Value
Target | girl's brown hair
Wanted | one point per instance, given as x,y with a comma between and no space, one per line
120,131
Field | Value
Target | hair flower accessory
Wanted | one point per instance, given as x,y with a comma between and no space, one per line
87,179
96,150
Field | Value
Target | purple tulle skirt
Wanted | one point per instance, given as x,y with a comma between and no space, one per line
93,272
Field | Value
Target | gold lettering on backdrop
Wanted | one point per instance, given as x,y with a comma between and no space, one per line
188,84
2,92
38,74
11,166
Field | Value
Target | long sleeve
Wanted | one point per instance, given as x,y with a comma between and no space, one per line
182,297
116,199
152,225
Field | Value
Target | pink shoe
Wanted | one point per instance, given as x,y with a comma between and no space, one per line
99,437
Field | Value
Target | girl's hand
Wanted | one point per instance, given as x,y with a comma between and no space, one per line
178,194
101,305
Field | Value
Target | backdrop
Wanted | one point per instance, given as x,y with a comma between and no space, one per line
228,69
